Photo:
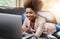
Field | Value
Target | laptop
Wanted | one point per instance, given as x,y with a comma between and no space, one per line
10,26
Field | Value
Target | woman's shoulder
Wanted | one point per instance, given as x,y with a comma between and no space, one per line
41,18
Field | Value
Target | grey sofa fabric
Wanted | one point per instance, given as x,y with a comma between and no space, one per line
12,10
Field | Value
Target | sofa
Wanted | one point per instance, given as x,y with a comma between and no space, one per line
20,11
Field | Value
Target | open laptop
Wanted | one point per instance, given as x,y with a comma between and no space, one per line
10,26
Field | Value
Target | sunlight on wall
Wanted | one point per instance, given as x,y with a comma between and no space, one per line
53,6
22,3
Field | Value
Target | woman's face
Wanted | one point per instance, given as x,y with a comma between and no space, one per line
30,13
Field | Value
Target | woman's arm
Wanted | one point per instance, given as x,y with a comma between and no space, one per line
25,27
40,28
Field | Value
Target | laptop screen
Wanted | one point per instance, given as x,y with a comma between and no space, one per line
10,26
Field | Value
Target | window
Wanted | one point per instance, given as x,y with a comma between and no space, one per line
11,3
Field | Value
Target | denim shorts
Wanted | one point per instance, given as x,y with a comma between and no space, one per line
58,27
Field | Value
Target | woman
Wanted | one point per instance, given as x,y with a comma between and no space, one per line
33,23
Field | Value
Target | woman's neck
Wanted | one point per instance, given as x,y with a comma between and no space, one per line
33,20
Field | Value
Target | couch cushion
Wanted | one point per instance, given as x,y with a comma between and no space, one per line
48,16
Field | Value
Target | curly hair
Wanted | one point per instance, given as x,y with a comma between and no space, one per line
35,5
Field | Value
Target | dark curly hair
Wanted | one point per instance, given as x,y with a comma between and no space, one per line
35,5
